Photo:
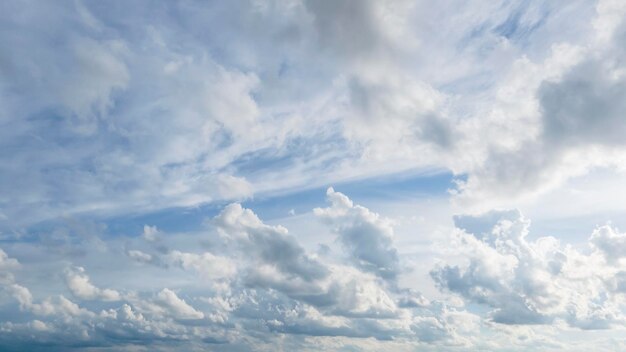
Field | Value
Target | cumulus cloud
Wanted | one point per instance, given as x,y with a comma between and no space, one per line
610,243
367,237
78,282
57,306
264,281
176,306
209,265
6,264
270,244
534,282
243,292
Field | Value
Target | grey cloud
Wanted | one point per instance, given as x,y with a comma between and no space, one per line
342,291
575,118
585,107
271,244
610,243
350,28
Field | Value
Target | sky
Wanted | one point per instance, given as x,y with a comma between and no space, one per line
301,175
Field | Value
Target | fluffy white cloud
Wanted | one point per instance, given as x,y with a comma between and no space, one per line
209,265
367,237
78,282
176,306
6,264
535,282
58,306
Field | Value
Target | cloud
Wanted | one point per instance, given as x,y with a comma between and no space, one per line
610,243
58,306
7,264
270,244
176,306
354,29
367,237
567,119
494,279
139,256
78,282
104,141
150,232
358,71
209,265
533,282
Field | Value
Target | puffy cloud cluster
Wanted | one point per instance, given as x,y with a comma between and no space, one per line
254,284
257,280
539,281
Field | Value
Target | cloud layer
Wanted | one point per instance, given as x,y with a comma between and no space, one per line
256,287
112,117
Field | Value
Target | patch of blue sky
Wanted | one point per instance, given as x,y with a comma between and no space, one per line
522,22
402,186
574,230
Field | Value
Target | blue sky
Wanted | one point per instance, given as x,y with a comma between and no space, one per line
312,175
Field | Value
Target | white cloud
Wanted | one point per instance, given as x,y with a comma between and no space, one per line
57,306
139,256
610,243
367,237
176,306
534,282
150,232
7,264
209,265
388,86
78,282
